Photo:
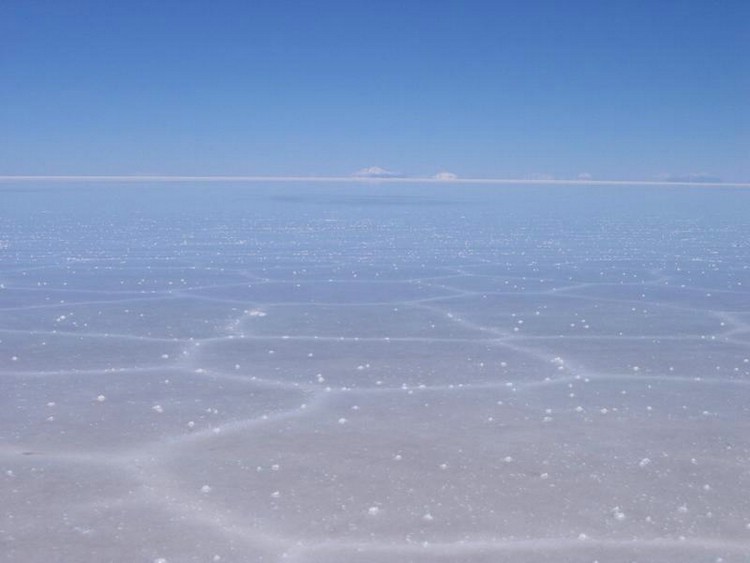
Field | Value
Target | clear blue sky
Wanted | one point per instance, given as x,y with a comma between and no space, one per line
620,89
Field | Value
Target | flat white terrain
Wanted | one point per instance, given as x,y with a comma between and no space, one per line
372,373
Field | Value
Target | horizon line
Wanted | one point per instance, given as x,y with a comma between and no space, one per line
358,179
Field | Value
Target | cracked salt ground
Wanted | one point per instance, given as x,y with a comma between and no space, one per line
692,358
91,509
334,363
50,351
358,382
166,317
531,552
478,492
102,277
325,292
120,411
558,314
364,321
701,298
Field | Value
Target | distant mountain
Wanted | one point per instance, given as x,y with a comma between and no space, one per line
376,172
447,176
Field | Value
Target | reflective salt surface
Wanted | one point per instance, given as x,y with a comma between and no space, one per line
374,373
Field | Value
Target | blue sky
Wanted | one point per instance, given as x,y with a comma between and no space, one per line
627,90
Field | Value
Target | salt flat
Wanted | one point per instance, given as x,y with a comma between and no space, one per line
367,373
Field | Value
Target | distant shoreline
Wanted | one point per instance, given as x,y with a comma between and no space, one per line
366,180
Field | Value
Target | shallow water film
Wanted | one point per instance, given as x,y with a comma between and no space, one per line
373,373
